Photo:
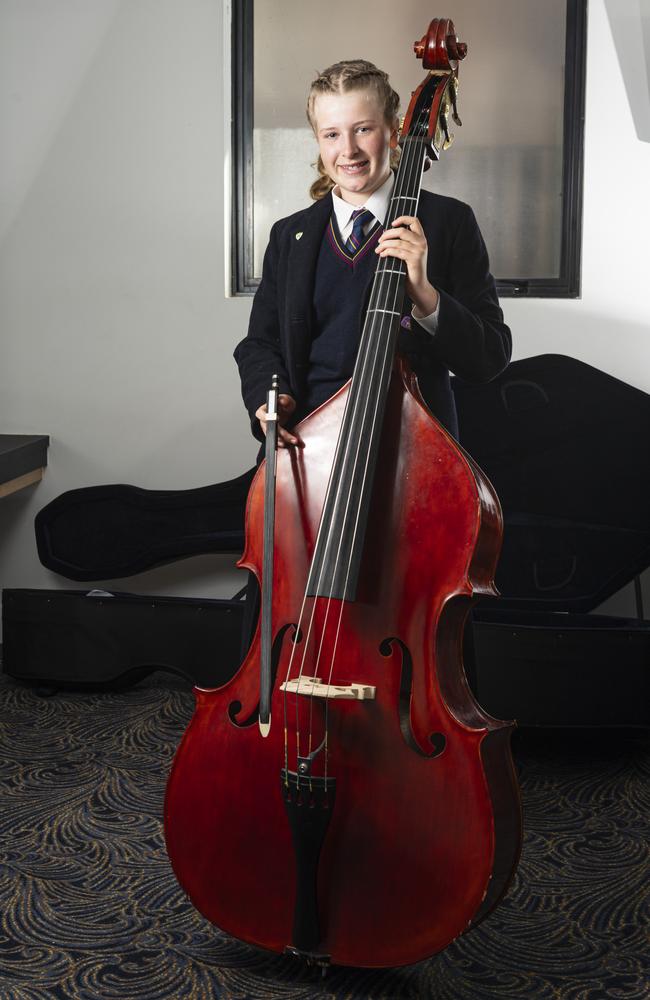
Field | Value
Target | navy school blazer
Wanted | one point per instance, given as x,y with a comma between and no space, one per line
472,341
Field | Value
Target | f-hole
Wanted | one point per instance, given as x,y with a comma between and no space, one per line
235,706
438,740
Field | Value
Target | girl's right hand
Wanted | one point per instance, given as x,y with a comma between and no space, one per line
286,406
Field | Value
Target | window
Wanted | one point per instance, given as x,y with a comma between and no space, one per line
517,160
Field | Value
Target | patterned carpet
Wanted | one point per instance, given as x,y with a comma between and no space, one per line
90,909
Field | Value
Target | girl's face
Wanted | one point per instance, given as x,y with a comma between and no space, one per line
354,142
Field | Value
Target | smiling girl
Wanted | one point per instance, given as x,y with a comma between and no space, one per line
308,310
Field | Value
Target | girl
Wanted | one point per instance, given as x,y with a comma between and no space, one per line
307,313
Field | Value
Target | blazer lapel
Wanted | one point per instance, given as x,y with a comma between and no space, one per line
306,238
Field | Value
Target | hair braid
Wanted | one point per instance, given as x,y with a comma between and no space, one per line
342,77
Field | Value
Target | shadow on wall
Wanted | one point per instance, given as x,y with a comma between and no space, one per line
630,24
615,345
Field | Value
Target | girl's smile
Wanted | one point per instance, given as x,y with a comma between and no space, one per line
353,168
354,141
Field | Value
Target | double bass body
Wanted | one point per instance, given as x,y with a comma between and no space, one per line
408,830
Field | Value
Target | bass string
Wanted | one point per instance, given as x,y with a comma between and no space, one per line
369,360
383,365
378,375
409,167
336,640
370,341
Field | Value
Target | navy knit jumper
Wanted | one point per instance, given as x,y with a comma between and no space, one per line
339,291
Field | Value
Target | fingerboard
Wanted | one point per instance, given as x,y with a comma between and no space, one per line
334,571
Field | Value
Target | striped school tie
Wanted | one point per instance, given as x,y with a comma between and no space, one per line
359,218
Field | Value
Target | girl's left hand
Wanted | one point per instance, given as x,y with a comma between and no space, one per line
406,240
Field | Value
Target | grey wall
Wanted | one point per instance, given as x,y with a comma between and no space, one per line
116,334
116,330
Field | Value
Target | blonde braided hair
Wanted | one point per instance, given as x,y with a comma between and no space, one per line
351,74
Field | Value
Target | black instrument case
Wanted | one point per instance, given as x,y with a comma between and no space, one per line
566,447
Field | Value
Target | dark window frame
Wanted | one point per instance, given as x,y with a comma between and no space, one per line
566,285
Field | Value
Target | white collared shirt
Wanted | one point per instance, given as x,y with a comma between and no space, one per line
377,204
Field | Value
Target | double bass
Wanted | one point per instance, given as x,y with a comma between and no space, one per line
343,797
